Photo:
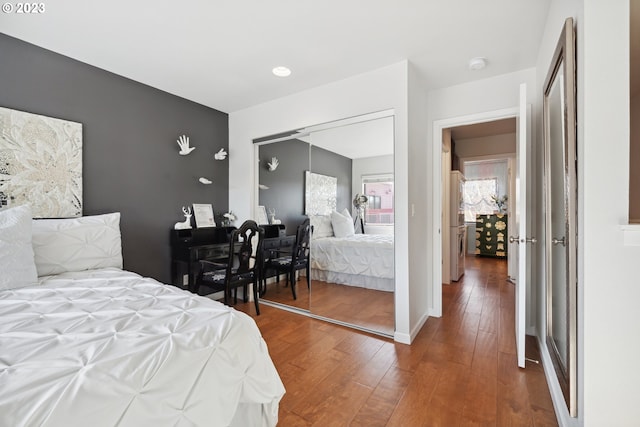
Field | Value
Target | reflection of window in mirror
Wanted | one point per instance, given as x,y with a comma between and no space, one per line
634,92
379,192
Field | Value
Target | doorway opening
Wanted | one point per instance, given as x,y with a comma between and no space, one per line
522,227
479,159
443,160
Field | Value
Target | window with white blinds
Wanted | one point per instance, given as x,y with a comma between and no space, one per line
485,181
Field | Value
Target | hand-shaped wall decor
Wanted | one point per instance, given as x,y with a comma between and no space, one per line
273,164
220,155
183,143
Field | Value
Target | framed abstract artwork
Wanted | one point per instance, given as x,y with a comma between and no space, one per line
321,193
40,164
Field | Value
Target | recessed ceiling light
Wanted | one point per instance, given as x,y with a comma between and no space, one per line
281,71
477,63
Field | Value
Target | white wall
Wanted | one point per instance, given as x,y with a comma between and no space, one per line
421,240
479,96
609,273
378,90
371,166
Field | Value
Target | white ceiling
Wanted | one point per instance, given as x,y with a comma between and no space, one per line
363,139
220,53
368,135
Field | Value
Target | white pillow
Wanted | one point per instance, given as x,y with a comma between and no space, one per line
77,244
321,225
342,224
16,254
346,213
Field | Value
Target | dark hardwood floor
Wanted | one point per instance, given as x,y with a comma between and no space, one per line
461,369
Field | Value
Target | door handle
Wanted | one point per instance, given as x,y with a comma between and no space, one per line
517,239
556,241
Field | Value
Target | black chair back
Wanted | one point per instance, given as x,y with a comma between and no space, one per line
244,239
297,259
301,247
243,266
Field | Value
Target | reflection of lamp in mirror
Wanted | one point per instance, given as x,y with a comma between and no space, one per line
360,202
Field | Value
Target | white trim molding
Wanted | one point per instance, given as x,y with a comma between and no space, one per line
631,234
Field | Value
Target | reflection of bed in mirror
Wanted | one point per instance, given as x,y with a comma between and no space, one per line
362,260
321,169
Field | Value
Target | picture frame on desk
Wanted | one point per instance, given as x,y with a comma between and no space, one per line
261,216
203,213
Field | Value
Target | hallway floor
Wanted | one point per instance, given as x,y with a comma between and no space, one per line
460,370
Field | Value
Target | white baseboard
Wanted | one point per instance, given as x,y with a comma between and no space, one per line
402,338
408,338
559,405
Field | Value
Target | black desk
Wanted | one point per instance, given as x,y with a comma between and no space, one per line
274,248
275,244
190,246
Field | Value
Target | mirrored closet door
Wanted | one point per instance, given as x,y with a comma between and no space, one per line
559,109
339,175
282,165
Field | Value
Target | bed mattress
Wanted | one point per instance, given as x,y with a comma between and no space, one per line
364,260
108,347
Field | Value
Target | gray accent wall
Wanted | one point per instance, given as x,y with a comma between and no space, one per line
287,183
130,154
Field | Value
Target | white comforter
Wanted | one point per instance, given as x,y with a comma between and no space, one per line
363,258
108,347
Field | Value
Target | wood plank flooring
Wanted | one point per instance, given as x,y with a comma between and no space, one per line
280,292
461,369
367,308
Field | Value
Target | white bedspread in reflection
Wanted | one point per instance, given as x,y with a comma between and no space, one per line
367,255
108,347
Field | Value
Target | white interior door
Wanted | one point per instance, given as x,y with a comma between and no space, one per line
521,222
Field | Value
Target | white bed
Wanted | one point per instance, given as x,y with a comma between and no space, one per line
364,260
106,347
